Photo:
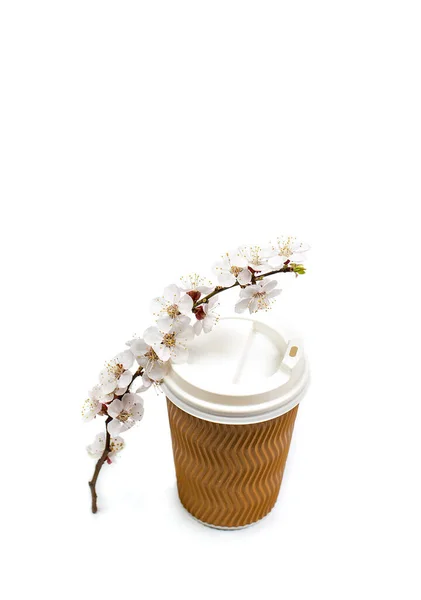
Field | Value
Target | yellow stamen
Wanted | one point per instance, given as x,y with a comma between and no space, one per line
123,416
115,369
169,340
236,270
173,311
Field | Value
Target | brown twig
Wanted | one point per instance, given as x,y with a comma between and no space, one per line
98,466
104,455
255,277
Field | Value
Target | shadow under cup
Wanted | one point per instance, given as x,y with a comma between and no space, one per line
232,410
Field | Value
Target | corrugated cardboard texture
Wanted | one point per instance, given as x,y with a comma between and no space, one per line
229,475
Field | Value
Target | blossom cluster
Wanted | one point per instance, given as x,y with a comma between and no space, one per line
181,313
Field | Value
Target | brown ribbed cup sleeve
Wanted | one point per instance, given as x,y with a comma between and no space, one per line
229,475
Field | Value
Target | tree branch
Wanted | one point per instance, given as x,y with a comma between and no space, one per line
219,289
104,455
98,466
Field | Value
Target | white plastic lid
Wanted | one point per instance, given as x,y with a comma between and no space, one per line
244,371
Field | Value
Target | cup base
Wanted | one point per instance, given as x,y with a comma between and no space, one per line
226,528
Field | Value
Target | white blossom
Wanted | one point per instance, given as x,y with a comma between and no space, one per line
208,317
93,404
256,257
196,283
170,345
144,381
173,307
125,412
115,377
98,445
287,248
232,269
141,383
257,297
147,358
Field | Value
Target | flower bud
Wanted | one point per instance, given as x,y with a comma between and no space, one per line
200,313
194,295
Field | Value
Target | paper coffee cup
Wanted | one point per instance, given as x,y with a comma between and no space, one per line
232,410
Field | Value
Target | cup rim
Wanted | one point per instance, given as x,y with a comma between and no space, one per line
271,401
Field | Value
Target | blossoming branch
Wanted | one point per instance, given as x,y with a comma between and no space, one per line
182,313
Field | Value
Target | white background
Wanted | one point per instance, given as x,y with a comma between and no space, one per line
139,141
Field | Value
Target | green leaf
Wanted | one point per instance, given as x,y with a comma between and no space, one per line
298,269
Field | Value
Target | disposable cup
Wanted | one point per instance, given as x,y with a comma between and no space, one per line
232,409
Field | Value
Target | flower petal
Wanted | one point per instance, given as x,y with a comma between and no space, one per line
95,393
274,293
249,291
213,303
137,411
97,447
125,358
90,409
124,379
185,304
269,252
165,323
108,386
158,370
226,279
127,425
130,400
180,324
158,305
147,382
179,355
298,258
186,335
299,247
120,391
269,285
163,352
244,277
172,294
208,324
152,336
137,385
115,427
116,445
238,261
197,327
204,289
138,347
253,305
242,305
142,360
277,261
106,376
115,408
